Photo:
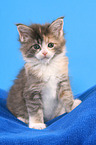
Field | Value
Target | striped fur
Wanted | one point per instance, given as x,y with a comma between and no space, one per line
42,89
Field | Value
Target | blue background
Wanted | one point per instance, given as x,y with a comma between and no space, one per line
79,26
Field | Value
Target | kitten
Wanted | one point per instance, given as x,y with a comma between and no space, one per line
42,90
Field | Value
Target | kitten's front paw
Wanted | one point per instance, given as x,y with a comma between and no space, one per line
37,125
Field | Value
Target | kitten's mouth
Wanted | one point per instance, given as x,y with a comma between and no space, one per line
45,57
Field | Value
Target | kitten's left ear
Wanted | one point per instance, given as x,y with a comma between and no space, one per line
57,27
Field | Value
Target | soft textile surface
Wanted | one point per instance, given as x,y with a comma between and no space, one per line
76,128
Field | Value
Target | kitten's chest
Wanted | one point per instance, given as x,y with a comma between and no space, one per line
49,97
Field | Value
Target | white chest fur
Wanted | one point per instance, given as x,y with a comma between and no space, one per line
51,74
49,97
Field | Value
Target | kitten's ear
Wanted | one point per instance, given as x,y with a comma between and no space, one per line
57,27
24,32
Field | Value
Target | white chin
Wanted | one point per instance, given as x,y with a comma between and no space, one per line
44,59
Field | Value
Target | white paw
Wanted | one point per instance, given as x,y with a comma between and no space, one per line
76,103
37,125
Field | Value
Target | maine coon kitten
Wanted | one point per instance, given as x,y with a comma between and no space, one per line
42,90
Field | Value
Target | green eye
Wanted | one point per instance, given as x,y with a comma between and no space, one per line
36,46
50,45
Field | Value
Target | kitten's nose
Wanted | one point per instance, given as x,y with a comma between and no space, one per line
44,53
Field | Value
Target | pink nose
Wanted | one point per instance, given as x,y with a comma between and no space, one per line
44,53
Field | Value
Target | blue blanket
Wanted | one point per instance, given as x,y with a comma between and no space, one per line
75,128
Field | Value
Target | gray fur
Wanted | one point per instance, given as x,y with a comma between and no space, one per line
42,90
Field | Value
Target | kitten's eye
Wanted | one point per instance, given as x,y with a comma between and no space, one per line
50,45
36,46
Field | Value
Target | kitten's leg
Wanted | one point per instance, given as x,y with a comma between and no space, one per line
36,120
35,111
66,96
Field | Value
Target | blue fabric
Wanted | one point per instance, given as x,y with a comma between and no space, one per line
75,128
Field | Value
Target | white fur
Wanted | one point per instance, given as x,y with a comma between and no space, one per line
34,124
52,76
53,69
76,103
37,125
40,55
22,119
49,97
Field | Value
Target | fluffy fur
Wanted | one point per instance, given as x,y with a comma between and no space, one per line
42,90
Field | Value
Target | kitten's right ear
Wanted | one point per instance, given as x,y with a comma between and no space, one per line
24,32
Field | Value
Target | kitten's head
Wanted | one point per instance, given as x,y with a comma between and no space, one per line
42,42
